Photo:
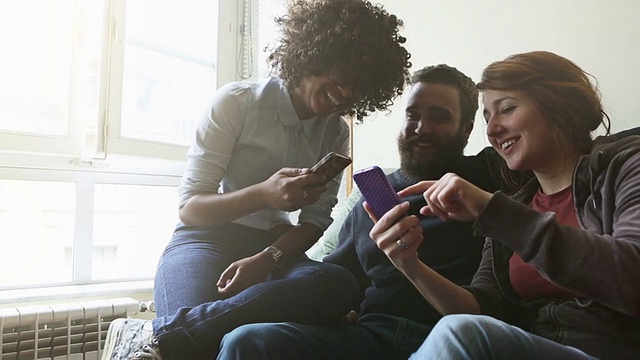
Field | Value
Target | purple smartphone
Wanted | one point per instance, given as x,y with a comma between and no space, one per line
376,189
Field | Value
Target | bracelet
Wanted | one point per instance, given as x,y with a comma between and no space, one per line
276,254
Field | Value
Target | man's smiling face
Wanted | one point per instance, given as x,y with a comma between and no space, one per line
432,133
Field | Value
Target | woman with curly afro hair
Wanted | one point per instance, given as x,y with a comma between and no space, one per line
345,41
236,257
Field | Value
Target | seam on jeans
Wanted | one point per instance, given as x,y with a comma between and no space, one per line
251,299
164,290
559,328
222,313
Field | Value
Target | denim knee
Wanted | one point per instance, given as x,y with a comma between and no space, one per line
464,324
448,338
244,342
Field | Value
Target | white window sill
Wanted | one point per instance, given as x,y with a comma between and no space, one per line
76,292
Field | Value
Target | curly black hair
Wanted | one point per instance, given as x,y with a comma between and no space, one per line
354,36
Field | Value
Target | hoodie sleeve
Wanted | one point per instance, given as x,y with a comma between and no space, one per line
600,262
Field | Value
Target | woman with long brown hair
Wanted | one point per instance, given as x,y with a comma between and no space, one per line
561,261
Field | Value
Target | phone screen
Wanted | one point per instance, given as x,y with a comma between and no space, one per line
331,165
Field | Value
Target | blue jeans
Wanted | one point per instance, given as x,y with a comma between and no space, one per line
373,337
482,337
193,317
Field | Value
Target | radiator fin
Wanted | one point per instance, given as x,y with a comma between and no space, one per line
67,331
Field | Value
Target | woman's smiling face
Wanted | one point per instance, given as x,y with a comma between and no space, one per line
321,95
519,131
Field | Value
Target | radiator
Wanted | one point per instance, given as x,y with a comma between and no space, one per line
67,331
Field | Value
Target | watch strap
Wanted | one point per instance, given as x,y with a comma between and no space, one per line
276,254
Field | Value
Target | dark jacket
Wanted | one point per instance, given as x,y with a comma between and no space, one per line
600,261
450,248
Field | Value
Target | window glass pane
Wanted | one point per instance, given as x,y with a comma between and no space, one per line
268,31
258,37
169,68
37,222
132,225
162,96
49,64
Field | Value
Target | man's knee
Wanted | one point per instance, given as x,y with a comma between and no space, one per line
244,342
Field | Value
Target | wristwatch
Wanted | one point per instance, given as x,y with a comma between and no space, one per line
276,254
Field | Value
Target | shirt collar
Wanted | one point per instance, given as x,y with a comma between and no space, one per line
287,113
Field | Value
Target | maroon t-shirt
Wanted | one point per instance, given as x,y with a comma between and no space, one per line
525,279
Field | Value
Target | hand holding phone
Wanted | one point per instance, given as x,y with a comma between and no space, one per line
331,165
376,190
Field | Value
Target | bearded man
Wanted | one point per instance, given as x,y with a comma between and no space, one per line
393,318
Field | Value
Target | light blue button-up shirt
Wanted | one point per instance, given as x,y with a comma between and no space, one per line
250,131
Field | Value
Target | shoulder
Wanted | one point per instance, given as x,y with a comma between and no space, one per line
610,149
235,99
612,145
237,88
398,179
618,135
247,90
609,158
231,96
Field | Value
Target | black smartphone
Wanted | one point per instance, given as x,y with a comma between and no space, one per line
376,189
331,165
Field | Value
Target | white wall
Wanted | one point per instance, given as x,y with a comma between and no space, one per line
601,36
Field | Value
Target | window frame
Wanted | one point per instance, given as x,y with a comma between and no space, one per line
110,122
34,157
59,158
122,155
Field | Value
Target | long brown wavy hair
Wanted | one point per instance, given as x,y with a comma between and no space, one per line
564,93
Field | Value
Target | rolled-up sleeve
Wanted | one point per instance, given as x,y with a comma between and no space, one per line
213,146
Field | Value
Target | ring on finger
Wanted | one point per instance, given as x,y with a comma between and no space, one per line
402,244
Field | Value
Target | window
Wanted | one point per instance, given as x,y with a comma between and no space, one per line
162,57
99,102
258,32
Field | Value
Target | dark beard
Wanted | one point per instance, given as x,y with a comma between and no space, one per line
424,168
